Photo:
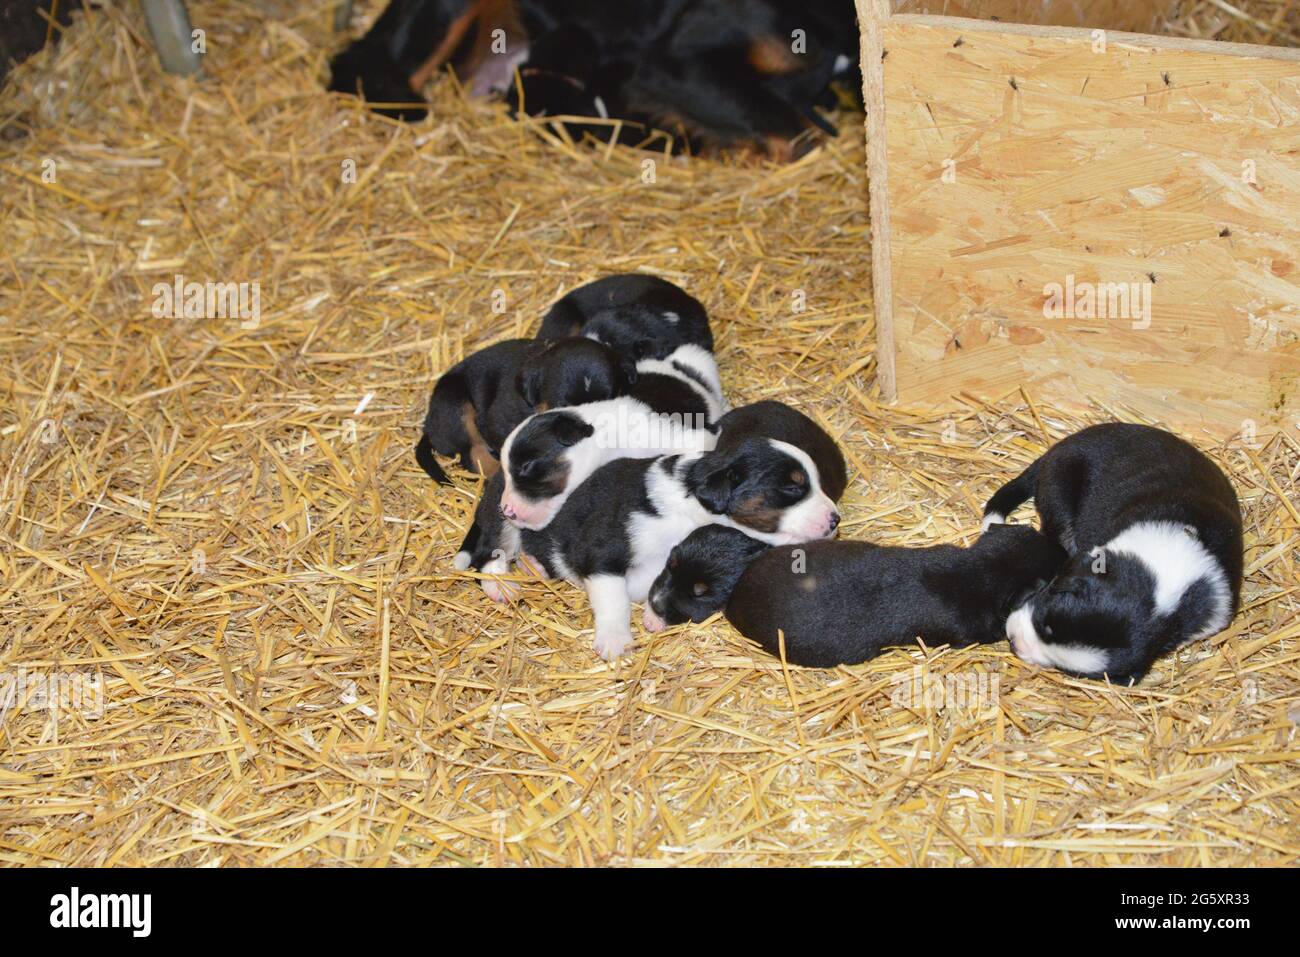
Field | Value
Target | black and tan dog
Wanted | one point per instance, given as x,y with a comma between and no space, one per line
480,400
717,75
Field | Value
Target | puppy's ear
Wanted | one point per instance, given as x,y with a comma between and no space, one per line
570,430
529,384
627,370
713,482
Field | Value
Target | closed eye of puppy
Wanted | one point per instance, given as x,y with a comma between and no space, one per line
638,315
841,603
668,409
1154,530
699,576
479,401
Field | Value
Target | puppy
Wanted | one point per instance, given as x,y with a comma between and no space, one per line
638,315
840,603
1153,528
615,532
776,420
775,472
701,572
669,408
480,400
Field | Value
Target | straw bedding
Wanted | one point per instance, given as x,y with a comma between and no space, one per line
227,524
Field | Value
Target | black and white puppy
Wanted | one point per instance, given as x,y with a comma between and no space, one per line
773,472
615,532
480,400
776,420
840,603
1153,528
699,576
636,315
669,408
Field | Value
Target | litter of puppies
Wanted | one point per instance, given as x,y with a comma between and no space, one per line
654,495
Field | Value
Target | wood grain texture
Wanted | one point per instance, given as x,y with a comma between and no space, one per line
1109,167
872,15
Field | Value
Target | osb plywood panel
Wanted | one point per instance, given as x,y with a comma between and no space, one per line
1020,161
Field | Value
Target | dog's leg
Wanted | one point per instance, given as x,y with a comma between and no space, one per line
612,609
502,557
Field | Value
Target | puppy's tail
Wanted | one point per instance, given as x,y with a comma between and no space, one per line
444,426
424,455
1011,496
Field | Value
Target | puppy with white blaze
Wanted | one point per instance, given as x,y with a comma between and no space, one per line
1153,529
669,407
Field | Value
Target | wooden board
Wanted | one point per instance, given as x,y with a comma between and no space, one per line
1015,158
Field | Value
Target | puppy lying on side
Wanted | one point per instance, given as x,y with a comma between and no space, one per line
616,530
670,408
1153,529
636,315
840,603
479,401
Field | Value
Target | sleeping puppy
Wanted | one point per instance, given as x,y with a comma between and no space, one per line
839,603
699,576
776,420
638,315
775,472
615,532
479,401
669,408
1153,529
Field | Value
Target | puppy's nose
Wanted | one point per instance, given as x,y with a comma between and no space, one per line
507,511
835,520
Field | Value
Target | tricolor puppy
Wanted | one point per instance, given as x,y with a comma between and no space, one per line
669,408
776,420
480,400
1153,529
774,472
839,603
615,533
699,576
636,315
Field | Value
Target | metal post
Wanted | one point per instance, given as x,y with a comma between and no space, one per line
169,25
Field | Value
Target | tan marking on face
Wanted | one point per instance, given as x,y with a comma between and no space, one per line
756,515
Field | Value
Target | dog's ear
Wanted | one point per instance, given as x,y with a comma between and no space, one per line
570,430
713,480
627,370
529,384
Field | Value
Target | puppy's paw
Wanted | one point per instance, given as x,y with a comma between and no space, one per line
499,591
613,642
530,566
991,519
461,561
652,622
